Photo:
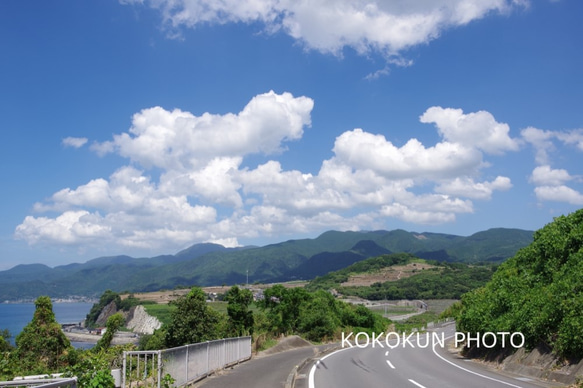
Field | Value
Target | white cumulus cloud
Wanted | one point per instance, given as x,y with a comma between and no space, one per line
478,130
365,150
547,176
559,194
468,188
177,140
551,182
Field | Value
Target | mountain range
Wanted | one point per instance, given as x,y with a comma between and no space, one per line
212,264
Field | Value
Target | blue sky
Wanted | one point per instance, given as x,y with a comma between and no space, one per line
143,127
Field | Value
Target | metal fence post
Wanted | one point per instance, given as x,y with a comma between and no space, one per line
123,377
186,366
159,368
224,353
207,356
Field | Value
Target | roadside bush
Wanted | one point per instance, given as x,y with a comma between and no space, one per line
93,368
153,341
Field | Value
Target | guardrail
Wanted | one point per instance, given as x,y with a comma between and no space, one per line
182,365
440,323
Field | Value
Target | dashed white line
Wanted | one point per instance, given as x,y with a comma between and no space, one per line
391,365
416,383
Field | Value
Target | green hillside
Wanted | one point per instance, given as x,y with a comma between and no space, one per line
538,292
441,281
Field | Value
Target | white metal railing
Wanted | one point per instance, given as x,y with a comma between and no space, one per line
440,323
41,383
184,364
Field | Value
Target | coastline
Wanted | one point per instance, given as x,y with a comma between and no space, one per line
118,339
78,299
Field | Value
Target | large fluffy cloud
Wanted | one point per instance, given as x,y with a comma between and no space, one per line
478,129
203,190
135,213
364,150
388,27
179,140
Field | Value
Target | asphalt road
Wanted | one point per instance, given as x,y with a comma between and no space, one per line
405,366
262,372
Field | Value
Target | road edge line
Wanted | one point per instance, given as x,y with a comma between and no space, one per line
313,369
291,378
472,372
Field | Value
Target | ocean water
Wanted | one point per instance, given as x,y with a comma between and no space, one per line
14,316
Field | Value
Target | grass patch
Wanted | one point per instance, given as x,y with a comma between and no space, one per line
221,306
263,342
161,311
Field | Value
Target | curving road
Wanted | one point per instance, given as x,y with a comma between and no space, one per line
405,367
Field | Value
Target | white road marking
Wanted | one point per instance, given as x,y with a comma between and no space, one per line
311,383
391,365
416,383
474,373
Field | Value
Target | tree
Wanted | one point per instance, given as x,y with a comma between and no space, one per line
193,321
42,346
240,317
114,323
284,307
4,340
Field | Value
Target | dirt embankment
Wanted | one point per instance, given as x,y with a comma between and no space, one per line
539,363
286,343
543,364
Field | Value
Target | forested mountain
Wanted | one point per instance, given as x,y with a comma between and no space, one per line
212,264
